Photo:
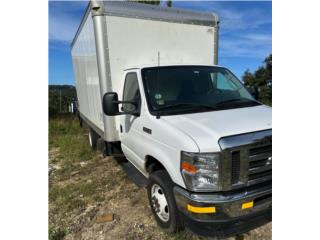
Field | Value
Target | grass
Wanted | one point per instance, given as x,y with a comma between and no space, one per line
68,147
56,234
66,135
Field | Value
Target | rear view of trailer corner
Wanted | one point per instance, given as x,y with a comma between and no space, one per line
149,88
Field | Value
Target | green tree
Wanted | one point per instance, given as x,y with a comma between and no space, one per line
261,79
60,97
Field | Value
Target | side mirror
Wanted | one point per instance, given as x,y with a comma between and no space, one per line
110,104
254,92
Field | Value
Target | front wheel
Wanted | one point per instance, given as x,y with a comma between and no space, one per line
162,202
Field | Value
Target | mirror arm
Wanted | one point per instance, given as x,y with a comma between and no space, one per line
132,113
129,113
124,102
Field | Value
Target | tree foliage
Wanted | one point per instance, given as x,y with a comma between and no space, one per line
60,97
169,3
261,79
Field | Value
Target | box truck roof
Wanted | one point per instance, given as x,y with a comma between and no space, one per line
146,11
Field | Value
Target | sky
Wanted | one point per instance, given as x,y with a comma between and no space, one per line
245,37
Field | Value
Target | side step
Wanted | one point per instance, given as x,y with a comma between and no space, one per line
112,149
133,173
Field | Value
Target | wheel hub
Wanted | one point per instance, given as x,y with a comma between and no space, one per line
90,138
159,203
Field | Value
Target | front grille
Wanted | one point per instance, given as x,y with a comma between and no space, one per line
247,159
235,167
260,165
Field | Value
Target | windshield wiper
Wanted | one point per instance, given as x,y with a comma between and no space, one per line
217,106
178,105
235,100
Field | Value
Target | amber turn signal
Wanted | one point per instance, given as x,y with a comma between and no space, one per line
247,205
188,167
201,209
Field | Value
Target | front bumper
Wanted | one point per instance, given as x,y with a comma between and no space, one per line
229,218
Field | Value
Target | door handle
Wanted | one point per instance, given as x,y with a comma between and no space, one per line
147,130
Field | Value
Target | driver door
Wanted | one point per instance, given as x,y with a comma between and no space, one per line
131,125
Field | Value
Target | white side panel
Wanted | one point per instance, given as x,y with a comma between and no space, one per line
136,42
86,74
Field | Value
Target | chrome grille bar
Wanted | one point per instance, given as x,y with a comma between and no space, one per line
255,163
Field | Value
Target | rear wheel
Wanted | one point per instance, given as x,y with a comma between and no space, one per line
93,138
80,121
162,202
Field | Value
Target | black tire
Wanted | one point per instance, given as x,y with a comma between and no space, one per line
163,180
93,138
80,121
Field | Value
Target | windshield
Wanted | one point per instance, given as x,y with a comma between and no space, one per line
178,89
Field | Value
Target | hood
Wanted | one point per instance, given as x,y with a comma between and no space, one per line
207,128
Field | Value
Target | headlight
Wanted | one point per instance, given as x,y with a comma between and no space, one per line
200,171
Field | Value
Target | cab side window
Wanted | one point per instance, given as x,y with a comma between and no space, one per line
131,92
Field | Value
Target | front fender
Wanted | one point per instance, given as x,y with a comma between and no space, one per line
168,157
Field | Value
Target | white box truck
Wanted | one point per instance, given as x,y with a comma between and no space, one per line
150,89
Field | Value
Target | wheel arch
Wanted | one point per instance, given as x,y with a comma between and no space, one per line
153,164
